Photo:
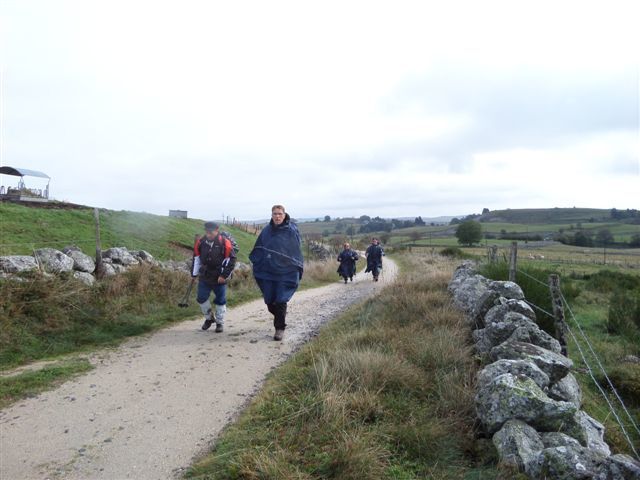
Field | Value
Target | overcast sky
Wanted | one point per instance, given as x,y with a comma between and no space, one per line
341,108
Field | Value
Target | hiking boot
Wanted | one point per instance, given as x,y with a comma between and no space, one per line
207,323
219,327
279,335
345,279
350,278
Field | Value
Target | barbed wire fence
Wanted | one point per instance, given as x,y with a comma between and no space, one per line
586,351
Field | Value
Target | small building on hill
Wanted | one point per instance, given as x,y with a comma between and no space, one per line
178,213
22,193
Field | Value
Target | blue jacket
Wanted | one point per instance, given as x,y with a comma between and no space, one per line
277,254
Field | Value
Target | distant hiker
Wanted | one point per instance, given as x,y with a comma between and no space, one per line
374,254
347,259
214,260
278,265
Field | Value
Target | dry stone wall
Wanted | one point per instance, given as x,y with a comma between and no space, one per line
72,260
527,400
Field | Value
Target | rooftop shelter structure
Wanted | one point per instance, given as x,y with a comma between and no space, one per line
22,193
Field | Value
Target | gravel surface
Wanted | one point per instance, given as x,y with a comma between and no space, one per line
157,402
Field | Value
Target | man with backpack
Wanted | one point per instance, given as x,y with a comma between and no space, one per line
214,258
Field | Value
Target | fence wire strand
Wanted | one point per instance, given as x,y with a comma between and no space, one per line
586,339
588,366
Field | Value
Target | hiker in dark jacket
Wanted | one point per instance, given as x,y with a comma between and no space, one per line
213,260
374,254
347,259
278,265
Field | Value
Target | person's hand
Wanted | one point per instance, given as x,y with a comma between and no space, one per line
221,280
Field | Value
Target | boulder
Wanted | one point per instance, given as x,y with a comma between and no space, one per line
507,289
109,270
71,248
623,466
510,397
120,256
588,431
177,266
514,367
504,306
17,263
531,333
85,278
518,445
118,268
557,439
54,261
497,332
569,463
82,262
485,303
144,256
554,365
468,293
566,389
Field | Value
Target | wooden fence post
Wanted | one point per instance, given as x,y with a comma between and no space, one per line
493,254
558,312
99,264
513,261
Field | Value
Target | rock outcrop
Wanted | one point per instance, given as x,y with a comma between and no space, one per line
527,399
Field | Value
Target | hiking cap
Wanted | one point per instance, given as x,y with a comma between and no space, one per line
211,226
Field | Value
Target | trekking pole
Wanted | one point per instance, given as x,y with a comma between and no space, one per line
185,300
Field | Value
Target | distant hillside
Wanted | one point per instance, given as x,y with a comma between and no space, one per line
548,216
25,228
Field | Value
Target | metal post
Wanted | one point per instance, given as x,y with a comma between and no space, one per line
99,265
558,312
513,260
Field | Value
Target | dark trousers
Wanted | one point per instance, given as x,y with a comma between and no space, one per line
279,312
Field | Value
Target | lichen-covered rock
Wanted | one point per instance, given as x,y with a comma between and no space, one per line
588,431
118,268
144,256
469,292
81,261
518,445
569,463
623,467
108,269
531,333
558,439
507,289
554,365
510,397
485,303
85,278
176,266
497,332
504,306
514,367
566,389
462,272
120,256
54,261
17,263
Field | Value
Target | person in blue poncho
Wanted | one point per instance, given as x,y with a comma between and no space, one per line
347,259
374,256
278,265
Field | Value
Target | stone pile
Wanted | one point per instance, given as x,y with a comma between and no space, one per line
72,260
320,251
527,399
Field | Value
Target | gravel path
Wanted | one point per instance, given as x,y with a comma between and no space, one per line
155,403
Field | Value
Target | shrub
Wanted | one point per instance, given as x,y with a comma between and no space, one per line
624,315
453,252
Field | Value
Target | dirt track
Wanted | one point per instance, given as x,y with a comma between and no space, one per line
153,404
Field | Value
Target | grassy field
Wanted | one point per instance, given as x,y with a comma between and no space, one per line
23,229
385,392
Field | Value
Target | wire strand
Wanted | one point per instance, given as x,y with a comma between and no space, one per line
600,364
